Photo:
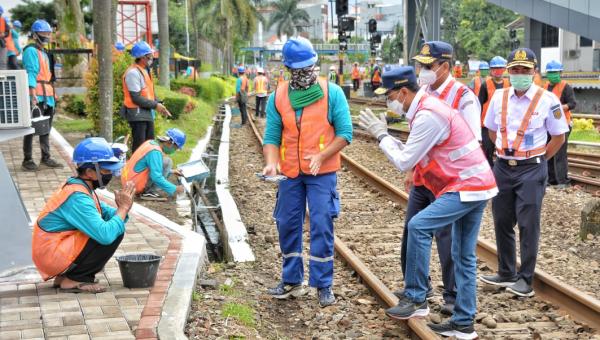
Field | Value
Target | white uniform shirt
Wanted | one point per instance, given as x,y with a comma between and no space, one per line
468,106
428,129
547,118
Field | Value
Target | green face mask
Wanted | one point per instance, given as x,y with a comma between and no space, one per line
554,77
521,82
168,150
484,73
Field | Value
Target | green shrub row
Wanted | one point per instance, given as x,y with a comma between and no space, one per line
73,104
209,89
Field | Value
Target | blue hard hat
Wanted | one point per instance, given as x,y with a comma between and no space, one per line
241,69
177,136
498,62
484,65
299,53
96,150
395,76
17,24
41,25
1,10
140,49
119,46
554,66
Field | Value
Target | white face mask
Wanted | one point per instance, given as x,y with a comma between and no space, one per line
396,107
427,77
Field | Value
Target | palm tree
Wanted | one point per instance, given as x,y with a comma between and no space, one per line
288,17
164,43
103,40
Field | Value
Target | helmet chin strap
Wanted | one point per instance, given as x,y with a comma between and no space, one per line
99,175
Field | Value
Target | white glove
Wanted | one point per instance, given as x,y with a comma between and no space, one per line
377,127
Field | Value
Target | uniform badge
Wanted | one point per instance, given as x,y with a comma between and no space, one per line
520,55
556,111
425,50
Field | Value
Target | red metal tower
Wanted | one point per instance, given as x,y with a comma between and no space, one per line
134,21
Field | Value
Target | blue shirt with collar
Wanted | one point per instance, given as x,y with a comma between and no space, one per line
79,212
338,115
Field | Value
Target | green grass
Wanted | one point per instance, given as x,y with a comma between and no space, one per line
228,290
585,136
80,124
241,312
197,296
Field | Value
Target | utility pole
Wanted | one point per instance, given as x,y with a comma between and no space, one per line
103,42
164,46
187,30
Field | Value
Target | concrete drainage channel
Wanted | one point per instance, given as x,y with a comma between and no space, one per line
213,210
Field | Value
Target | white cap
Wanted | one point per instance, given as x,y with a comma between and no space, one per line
260,70
457,62
332,68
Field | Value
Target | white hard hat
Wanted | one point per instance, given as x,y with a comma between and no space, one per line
457,62
317,68
260,70
331,68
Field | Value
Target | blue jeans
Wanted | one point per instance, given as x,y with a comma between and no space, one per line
465,218
323,205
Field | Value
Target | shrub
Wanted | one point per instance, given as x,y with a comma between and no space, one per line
73,104
581,124
175,105
188,91
210,89
121,61
206,67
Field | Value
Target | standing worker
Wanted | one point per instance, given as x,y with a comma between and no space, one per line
376,77
76,233
241,93
479,79
524,114
444,150
261,88
493,83
355,77
4,34
41,92
457,71
434,61
333,76
139,98
309,161
12,45
558,166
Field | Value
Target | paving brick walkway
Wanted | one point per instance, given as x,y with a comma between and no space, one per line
35,310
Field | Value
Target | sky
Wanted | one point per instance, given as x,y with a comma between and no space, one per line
8,4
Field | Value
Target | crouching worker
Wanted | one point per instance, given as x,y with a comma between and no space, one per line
448,160
149,166
76,234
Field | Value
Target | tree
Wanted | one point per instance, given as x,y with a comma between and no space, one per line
288,18
70,34
104,48
392,47
31,10
164,46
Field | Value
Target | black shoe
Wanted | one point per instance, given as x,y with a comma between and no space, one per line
51,163
400,293
521,288
498,280
284,291
406,309
29,165
451,329
447,308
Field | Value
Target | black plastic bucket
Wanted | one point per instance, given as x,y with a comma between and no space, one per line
138,270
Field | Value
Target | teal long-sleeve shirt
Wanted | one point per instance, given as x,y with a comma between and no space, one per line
153,160
79,212
31,63
15,37
338,115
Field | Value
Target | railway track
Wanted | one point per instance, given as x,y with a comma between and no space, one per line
381,257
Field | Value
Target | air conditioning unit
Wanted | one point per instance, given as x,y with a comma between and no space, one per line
14,99
573,54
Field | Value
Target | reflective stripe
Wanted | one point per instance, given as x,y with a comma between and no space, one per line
475,170
285,256
458,153
321,259
321,143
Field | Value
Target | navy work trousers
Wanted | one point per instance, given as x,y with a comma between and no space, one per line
519,201
420,198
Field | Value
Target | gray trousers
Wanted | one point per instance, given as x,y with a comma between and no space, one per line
519,201
3,59
166,171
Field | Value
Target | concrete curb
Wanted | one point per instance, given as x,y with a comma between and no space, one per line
237,247
191,259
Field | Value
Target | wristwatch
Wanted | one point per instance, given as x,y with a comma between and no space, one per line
381,137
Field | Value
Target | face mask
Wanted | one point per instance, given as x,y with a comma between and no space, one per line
521,82
168,150
484,73
554,77
497,73
43,40
105,180
150,61
427,77
396,107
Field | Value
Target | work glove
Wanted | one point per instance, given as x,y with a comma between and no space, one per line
377,127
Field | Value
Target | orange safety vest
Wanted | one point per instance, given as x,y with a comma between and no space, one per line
3,26
457,71
491,88
558,90
355,73
537,79
477,85
306,135
10,44
44,85
147,92
376,77
457,89
260,85
516,146
54,252
139,178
